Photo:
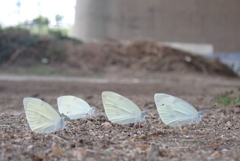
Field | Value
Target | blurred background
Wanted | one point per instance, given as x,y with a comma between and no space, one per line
105,37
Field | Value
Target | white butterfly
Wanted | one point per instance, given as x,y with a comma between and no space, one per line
42,117
74,107
174,111
121,110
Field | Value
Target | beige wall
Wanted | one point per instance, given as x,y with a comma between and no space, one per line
214,22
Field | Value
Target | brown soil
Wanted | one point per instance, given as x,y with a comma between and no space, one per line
97,139
139,55
108,56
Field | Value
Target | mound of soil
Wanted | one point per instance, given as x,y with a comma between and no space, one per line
144,55
21,48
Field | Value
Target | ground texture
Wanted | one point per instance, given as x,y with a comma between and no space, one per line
96,138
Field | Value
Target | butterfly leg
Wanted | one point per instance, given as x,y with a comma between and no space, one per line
203,123
135,124
85,122
69,131
179,126
139,125
138,120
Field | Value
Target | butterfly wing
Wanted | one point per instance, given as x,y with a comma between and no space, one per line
174,111
26,100
73,107
119,109
41,117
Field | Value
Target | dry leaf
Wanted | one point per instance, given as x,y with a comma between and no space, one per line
157,133
211,144
143,136
216,153
184,130
132,140
90,159
80,153
229,124
143,146
106,125
56,151
38,156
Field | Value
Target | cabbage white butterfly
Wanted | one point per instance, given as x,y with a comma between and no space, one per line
74,107
42,117
121,110
174,111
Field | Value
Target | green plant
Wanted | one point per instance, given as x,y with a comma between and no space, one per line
236,100
15,40
228,99
58,19
62,34
42,23
20,46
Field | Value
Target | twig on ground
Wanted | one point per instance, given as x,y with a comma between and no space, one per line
58,137
5,125
191,140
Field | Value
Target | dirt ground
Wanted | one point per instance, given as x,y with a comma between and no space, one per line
96,138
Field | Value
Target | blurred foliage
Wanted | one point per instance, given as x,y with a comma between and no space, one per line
41,23
227,99
43,30
58,17
15,39
18,43
61,34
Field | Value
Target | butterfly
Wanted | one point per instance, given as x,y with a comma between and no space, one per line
121,110
174,111
42,117
74,107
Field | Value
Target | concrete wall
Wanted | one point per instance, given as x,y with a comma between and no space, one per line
214,22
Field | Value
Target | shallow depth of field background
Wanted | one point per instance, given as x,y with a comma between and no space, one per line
188,48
